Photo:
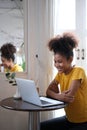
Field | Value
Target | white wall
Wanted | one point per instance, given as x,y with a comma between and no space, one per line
39,26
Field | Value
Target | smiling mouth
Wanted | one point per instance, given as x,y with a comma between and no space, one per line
60,69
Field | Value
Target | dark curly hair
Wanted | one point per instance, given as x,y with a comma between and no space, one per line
63,44
7,51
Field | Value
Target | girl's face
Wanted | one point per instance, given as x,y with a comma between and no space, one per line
6,63
62,64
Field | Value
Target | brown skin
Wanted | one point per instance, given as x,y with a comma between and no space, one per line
64,66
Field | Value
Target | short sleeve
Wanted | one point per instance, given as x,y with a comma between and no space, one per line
79,73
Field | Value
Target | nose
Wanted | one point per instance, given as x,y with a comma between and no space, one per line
56,65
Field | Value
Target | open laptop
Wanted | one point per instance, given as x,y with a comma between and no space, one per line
30,94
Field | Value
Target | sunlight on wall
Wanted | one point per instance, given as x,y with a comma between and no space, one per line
59,113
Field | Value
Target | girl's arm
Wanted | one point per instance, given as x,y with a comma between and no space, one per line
68,95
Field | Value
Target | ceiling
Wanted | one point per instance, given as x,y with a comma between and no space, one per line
11,22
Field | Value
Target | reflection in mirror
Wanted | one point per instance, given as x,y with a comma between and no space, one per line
11,27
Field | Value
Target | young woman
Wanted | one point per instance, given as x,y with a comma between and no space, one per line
8,51
73,86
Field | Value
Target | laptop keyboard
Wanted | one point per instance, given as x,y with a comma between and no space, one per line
44,102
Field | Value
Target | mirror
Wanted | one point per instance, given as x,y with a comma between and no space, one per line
11,27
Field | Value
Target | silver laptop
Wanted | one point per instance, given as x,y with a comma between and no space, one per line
30,94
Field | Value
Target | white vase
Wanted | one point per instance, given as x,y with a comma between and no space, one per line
17,94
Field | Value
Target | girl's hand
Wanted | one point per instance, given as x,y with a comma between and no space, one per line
66,97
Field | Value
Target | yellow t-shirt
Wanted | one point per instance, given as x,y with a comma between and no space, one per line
76,111
16,68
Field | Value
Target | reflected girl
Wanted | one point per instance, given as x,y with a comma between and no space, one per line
8,51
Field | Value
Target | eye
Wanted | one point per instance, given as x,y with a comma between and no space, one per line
60,61
55,61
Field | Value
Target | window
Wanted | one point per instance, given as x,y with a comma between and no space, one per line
64,15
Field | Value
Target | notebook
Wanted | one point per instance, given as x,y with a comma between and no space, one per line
30,94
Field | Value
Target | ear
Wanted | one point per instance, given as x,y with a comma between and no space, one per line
71,59
10,60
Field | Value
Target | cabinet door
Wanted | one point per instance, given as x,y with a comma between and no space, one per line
80,53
